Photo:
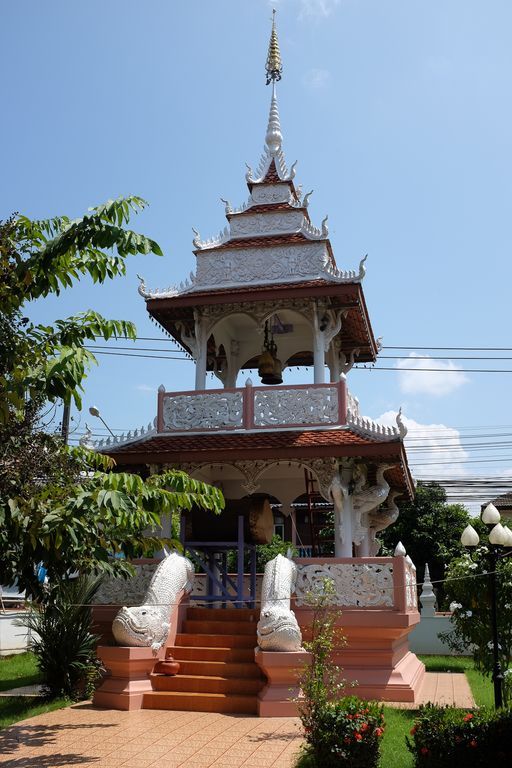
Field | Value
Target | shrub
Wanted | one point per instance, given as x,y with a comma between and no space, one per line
471,607
447,736
342,732
65,646
346,733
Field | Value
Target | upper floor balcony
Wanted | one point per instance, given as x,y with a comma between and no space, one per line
252,408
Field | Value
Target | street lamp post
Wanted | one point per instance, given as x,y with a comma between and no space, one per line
95,412
499,536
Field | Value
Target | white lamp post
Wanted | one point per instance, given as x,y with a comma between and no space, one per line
499,536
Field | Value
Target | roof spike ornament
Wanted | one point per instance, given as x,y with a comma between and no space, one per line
274,65
273,68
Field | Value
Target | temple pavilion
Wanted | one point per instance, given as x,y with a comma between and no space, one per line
268,295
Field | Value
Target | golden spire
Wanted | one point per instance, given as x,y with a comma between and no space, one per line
274,66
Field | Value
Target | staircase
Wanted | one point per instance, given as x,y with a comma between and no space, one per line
218,673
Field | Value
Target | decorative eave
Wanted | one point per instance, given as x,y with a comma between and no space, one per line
172,311
287,445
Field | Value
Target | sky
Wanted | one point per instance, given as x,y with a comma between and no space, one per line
399,115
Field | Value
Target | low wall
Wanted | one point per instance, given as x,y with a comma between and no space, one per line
425,636
13,639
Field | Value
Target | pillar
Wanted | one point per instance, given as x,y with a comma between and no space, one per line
200,333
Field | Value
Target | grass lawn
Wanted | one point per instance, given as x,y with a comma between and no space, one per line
400,721
15,671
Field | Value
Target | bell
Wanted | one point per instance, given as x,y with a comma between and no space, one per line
270,369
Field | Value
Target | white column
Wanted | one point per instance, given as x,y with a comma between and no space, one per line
343,512
318,348
200,333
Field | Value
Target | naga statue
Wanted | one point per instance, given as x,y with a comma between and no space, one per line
278,629
148,625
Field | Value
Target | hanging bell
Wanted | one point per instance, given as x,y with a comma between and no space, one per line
270,369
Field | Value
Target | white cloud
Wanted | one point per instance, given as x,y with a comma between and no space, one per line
317,8
433,450
317,78
422,380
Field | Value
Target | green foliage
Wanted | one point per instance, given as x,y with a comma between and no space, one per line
468,590
63,644
447,736
430,530
80,526
60,506
264,553
338,731
37,258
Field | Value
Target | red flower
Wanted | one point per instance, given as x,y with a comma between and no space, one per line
357,736
414,729
468,717
473,743
424,750
364,727
379,731
346,740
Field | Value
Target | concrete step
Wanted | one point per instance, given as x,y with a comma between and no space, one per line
223,614
216,640
201,702
219,627
207,684
219,669
201,653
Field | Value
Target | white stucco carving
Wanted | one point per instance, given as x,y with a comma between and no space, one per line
366,498
120,591
411,591
296,406
360,586
203,411
263,194
256,224
278,629
325,470
381,518
148,625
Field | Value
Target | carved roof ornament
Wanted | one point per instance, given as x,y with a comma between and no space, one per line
274,65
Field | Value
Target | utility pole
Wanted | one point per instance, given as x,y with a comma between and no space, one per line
64,429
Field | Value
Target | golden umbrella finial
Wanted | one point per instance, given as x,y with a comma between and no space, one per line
274,66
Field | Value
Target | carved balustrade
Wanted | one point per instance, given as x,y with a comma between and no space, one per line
253,408
386,583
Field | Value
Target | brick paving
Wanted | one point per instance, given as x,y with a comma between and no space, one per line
82,735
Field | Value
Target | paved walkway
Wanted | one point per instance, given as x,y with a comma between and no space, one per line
84,736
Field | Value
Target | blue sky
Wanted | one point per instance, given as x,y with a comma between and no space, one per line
399,114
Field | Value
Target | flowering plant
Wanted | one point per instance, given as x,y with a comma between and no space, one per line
341,731
445,736
467,587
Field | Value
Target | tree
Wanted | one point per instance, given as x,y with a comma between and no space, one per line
430,530
468,589
61,506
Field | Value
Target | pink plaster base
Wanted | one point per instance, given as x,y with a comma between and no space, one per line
277,699
129,678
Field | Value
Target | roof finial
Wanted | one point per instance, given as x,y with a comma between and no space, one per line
274,66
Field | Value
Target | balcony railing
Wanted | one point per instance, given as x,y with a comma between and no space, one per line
253,408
